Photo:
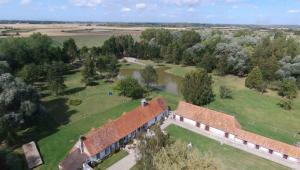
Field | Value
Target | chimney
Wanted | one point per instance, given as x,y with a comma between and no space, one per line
144,102
81,145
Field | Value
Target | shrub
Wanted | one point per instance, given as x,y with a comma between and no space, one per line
286,104
225,92
288,89
75,102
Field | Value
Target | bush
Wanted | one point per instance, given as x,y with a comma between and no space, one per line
288,89
75,102
130,87
225,92
255,80
286,104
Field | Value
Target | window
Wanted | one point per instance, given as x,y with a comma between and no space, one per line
257,146
285,156
174,116
270,151
155,119
107,151
98,155
198,124
181,119
207,128
245,142
226,135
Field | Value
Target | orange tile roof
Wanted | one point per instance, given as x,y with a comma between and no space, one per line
208,117
229,124
98,139
268,143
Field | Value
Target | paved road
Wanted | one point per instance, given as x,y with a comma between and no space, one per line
129,161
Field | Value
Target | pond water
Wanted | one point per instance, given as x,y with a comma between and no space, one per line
168,82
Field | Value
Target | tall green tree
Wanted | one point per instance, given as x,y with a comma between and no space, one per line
149,75
30,73
89,71
55,78
197,87
254,79
70,50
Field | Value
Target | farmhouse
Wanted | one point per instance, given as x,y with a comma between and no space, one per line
227,127
99,143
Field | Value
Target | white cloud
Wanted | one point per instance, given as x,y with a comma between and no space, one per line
141,6
87,3
184,2
25,2
3,1
125,9
293,11
191,9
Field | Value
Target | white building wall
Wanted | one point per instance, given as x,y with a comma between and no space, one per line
189,121
231,136
292,159
278,154
217,131
251,145
240,141
202,126
264,149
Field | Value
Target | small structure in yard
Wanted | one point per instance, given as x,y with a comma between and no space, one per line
32,155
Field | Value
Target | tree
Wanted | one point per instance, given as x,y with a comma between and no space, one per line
130,87
84,52
20,106
197,87
4,67
55,78
225,92
30,73
149,75
149,146
288,89
180,156
89,71
254,79
70,50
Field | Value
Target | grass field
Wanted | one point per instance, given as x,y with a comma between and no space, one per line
228,157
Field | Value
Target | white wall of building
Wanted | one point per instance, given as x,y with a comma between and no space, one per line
251,145
217,131
278,154
292,159
189,121
231,136
264,149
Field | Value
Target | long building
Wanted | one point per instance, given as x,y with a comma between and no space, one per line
227,126
99,143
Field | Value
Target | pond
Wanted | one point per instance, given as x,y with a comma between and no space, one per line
167,82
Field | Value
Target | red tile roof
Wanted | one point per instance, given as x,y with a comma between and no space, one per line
229,124
208,117
98,139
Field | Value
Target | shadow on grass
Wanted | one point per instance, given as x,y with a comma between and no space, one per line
58,113
73,90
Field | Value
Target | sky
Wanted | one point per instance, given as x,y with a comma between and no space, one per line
262,12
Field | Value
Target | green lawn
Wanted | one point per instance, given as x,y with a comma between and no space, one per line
228,157
111,160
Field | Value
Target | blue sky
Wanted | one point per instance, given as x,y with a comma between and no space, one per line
199,11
